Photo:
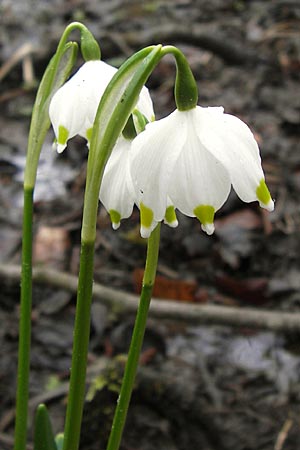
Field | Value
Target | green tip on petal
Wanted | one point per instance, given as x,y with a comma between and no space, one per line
88,134
205,214
115,218
62,138
146,219
264,196
170,217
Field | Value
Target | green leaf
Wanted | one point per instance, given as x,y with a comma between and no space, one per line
43,434
56,73
116,105
59,441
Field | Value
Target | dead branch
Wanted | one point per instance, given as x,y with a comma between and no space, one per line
124,303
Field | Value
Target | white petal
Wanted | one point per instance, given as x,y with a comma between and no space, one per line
198,177
95,79
154,154
67,111
74,105
209,228
146,231
232,143
116,192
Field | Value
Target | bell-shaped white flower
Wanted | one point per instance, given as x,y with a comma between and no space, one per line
73,107
116,192
189,160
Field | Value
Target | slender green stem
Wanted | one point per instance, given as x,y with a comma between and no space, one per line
80,347
102,142
54,76
136,342
25,325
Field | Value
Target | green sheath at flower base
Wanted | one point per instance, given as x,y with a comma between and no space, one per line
89,47
205,214
264,196
186,90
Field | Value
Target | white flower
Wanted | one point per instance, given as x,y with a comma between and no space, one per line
189,160
116,191
73,107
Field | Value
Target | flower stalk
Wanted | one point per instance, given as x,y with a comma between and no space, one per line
136,341
56,73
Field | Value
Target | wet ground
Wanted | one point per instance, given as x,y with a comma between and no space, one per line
199,386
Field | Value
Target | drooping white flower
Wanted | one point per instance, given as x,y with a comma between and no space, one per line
116,192
73,107
189,160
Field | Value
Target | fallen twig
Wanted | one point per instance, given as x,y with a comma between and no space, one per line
123,302
283,434
23,54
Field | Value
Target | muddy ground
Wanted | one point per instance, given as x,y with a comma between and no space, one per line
200,386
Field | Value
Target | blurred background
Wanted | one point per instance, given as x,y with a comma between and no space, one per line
200,385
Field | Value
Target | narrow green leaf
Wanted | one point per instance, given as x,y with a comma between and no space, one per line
43,434
55,75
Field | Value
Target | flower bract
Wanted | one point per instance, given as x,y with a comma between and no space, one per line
73,107
189,161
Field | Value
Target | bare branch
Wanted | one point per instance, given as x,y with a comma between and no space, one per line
124,303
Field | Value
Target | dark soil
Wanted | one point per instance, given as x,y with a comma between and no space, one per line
201,387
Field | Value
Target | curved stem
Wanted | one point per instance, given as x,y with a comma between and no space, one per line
186,90
136,342
24,326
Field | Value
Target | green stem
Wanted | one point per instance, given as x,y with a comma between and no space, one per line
25,326
38,128
101,146
80,347
136,342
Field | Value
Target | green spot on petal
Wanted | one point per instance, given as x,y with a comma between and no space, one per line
146,216
63,135
262,193
89,134
115,217
170,216
205,213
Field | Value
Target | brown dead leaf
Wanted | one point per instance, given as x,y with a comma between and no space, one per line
184,290
250,290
